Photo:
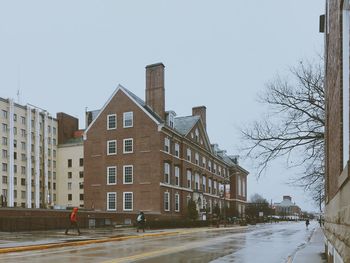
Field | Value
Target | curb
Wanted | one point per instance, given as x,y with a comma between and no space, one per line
104,240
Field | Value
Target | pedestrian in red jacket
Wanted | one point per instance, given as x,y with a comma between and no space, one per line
73,221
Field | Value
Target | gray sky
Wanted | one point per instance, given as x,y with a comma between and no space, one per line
68,55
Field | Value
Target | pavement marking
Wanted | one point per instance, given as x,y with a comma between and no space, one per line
111,239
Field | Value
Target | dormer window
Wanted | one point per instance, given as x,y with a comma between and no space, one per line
170,118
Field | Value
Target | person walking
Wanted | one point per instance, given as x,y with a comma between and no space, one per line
141,221
307,223
73,221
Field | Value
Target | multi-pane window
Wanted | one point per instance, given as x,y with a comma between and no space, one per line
128,174
69,162
204,161
196,158
177,150
111,201
15,117
111,147
4,127
4,179
23,146
204,182
128,119
209,165
128,145
189,178
4,114
177,202
69,186
69,197
23,157
69,175
23,133
177,175
81,197
81,185
209,186
166,201
23,120
111,175
127,201
4,154
167,173
4,167
196,180
81,162
81,174
215,188
214,168
23,170
111,122
167,144
4,141
189,154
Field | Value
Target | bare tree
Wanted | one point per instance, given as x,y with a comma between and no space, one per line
294,127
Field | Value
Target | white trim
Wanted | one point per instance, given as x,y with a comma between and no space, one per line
132,145
108,193
132,119
116,151
132,174
176,187
167,170
108,116
177,168
120,87
132,201
108,175
168,199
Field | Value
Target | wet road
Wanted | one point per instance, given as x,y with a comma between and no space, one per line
264,243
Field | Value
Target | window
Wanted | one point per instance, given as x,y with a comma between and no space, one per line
111,122
167,144
15,117
81,162
210,206
111,201
177,202
23,120
23,170
112,147
239,185
219,170
215,188
81,185
53,142
4,179
189,179
4,167
209,186
128,174
128,119
4,127
23,146
54,153
81,174
4,114
188,154
204,183
81,197
166,173
69,186
177,175
4,154
209,165
111,175
196,157
15,130
204,161
243,187
69,197
23,133
4,141
69,162
196,135
196,180
69,175
214,168
128,145
127,201
166,201
23,194
177,150
15,169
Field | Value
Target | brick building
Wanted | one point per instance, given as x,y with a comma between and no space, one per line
137,156
337,79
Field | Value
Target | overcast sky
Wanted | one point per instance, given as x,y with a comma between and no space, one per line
69,55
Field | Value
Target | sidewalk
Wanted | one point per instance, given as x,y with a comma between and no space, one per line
313,250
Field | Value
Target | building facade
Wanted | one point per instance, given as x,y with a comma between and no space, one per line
137,156
287,209
337,79
28,156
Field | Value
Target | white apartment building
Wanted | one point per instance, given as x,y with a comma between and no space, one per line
28,156
70,173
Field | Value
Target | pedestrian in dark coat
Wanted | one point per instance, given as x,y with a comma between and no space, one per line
140,220
307,223
73,221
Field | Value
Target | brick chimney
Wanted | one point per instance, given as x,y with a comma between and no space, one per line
155,94
201,111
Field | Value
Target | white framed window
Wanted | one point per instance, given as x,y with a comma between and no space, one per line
128,198
189,153
167,173
111,121
177,175
128,119
197,135
204,183
128,174
209,186
112,147
196,181
196,158
166,144
177,150
204,161
111,175
177,202
166,201
111,201
189,179
128,145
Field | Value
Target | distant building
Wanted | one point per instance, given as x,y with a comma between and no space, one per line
337,83
137,156
287,208
28,156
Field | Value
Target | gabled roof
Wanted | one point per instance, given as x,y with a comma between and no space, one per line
135,99
184,124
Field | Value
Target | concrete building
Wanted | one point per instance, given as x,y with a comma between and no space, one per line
337,81
287,209
28,156
137,156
